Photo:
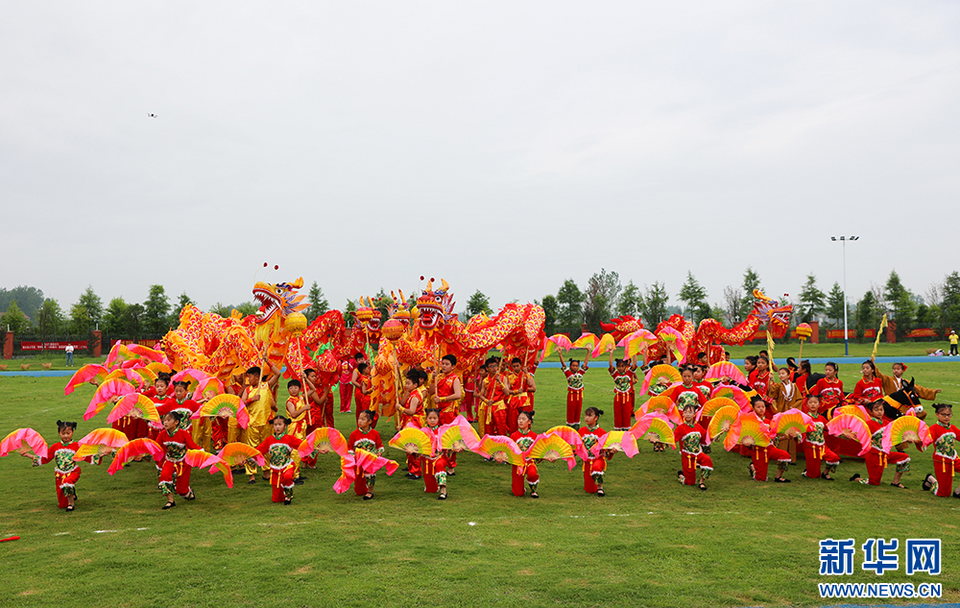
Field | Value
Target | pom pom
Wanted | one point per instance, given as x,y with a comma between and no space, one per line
264,264
276,266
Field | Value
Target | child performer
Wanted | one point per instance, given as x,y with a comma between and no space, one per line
347,366
876,460
522,388
469,387
187,407
411,412
622,384
278,449
894,383
524,437
446,396
258,397
869,388
815,449
67,472
434,465
690,435
175,472
761,455
574,375
687,392
593,468
365,438
297,409
493,392
829,389
363,388
945,461
785,395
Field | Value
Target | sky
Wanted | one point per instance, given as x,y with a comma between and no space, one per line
502,146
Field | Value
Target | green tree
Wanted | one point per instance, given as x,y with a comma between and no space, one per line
901,302
348,311
182,302
835,304
133,321
29,299
922,317
550,310
950,302
382,302
156,312
50,319
694,296
570,300
87,313
868,314
812,300
113,317
751,281
601,298
14,320
318,303
653,304
478,303
630,299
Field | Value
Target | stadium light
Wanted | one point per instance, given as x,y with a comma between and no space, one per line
843,240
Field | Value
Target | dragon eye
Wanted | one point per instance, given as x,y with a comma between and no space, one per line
279,291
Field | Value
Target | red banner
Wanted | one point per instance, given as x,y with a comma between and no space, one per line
147,343
834,334
52,345
923,332
869,333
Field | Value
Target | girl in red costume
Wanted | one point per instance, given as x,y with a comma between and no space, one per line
622,385
574,375
278,449
362,388
347,365
365,438
945,461
524,437
869,388
815,449
876,459
829,389
67,472
434,465
690,436
175,472
762,455
593,468
411,412
687,392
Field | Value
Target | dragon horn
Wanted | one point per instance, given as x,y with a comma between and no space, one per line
446,286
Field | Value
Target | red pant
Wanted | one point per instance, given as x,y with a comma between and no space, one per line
66,486
530,472
512,411
362,402
500,426
281,480
346,393
621,411
877,461
434,474
466,406
944,469
815,454
413,464
574,405
762,457
592,471
689,462
363,484
175,476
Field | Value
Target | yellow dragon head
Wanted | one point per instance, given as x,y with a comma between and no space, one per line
434,305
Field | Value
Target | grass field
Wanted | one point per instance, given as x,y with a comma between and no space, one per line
650,542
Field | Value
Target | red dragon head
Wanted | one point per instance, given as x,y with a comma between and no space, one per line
770,311
434,306
369,317
620,327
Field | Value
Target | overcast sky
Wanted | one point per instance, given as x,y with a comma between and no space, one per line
503,146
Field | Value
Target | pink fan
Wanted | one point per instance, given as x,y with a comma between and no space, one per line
137,447
208,388
725,369
193,376
573,438
107,391
348,473
850,427
675,341
554,342
637,342
145,352
733,393
23,441
604,346
87,373
370,463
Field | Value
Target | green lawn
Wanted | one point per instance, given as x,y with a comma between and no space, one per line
650,542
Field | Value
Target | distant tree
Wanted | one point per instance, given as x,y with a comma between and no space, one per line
348,313
221,309
950,303
868,313
922,317
113,317
382,303
751,281
182,302
570,300
318,303
478,303
601,298
245,308
901,302
50,318
694,296
133,318
653,305
812,300
87,313
630,299
835,304
156,312
29,299
732,297
550,310
14,320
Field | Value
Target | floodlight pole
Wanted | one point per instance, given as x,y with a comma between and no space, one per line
846,337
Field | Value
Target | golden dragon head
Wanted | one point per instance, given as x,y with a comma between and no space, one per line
434,305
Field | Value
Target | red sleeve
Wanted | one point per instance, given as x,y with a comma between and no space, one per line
377,440
264,446
703,433
51,449
515,435
679,432
816,388
352,441
701,397
292,441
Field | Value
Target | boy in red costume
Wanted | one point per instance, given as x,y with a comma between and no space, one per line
278,449
761,456
522,387
689,435
411,413
175,472
492,394
447,392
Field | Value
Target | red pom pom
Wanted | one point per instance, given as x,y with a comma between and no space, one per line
264,264
276,266
421,277
432,279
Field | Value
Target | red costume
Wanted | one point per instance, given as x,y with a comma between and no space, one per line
866,392
622,412
574,395
690,438
66,473
593,468
815,450
278,450
362,396
529,468
434,465
945,461
830,393
346,388
496,410
469,385
761,458
876,459
415,419
449,410
175,472
371,442
684,394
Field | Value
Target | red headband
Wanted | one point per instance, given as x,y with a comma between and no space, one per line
903,365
